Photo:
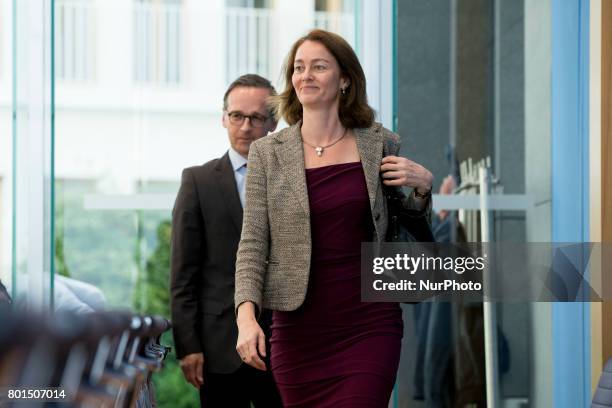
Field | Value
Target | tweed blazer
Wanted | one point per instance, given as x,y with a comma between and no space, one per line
273,259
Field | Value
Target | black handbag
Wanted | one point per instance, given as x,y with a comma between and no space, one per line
405,225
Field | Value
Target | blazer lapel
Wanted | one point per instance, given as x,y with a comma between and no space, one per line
229,190
370,146
290,155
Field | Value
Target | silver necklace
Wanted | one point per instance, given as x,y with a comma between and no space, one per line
320,149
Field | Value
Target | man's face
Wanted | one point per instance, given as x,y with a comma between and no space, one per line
247,101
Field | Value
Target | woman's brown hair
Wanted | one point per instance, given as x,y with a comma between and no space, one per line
353,110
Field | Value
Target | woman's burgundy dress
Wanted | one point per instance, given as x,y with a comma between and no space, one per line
335,351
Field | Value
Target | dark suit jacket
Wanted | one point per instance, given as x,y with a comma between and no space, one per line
206,226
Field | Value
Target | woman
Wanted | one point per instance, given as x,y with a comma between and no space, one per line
313,194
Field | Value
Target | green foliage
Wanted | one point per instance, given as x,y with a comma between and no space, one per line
98,246
171,389
127,255
152,296
60,259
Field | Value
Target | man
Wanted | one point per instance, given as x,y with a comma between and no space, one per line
206,227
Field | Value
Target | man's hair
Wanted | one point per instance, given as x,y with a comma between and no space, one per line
252,81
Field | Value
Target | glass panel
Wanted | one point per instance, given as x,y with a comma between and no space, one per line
31,155
140,87
473,89
6,142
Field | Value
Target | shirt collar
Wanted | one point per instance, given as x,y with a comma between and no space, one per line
236,158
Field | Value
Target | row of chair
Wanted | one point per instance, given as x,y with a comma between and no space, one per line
101,359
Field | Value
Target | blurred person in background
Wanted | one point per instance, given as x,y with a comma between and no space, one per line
5,298
314,193
206,225
72,295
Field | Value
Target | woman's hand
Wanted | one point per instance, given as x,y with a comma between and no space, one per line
400,171
251,338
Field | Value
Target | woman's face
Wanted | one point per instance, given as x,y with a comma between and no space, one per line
316,75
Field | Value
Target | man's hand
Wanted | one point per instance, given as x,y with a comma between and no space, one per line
193,369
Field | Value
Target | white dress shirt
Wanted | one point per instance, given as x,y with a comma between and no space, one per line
240,169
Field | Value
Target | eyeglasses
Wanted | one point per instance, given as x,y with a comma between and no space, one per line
237,118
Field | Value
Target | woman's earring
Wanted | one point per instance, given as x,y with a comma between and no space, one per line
343,90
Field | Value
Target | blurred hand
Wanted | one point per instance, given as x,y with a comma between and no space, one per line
251,343
193,368
400,171
448,185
